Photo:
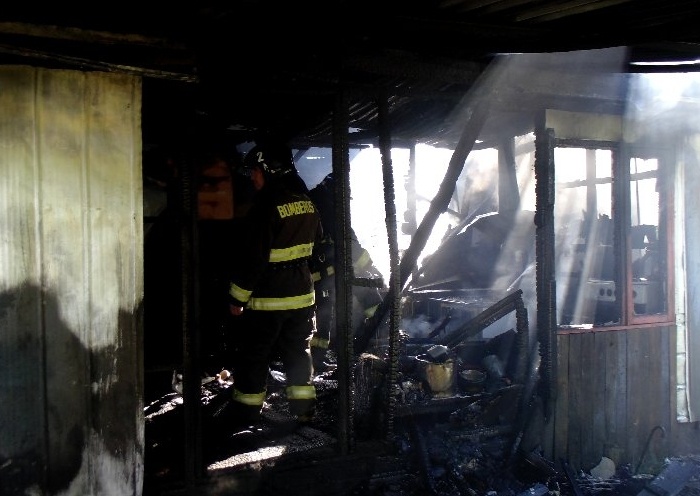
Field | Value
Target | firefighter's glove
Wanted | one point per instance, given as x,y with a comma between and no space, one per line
235,306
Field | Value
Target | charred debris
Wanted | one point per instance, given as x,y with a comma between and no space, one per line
461,417
454,403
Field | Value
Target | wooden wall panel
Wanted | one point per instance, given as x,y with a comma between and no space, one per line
60,136
590,375
692,280
662,447
614,388
598,436
72,232
576,400
638,390
22,388
116,288
650,393
561,410
615,394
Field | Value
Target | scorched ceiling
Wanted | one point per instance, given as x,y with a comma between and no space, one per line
240,67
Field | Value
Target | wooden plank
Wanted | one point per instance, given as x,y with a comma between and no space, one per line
638,397
658,388
598,380
667,373
60,144
615,411
22,388
591,369
659,411
576,400
561,409
71,291
114,225
692,265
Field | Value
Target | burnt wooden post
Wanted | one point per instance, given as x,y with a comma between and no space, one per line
343,267
437,207
545,278
190,335
395,277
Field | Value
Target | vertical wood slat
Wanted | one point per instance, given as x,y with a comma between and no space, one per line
22,388
561,409
615,396
71,302
61,153
115,226
652,387
667,389
614,388
637,390
576,400
591,371
599,376
691,181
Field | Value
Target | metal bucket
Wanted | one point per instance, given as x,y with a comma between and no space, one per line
439,376
472,380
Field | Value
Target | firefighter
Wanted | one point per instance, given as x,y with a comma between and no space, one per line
272,297
365,300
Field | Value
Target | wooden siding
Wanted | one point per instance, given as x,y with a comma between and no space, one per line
691,348
614,388
71,238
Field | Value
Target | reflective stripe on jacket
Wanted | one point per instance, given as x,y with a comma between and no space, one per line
300,392
271,271
291,253
288,303
255,399
319,342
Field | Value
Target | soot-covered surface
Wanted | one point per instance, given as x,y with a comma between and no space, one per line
465,443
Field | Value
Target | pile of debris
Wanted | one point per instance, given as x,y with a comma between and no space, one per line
476,434
457,427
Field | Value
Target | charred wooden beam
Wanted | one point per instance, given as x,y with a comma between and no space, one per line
395,280
437,206
435,405
90,63
571,476
70,33
544,271
343,257
187,220
496,311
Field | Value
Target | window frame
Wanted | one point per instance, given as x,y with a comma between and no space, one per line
622,154
666,197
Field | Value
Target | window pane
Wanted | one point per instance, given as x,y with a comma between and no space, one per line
583,223
647,249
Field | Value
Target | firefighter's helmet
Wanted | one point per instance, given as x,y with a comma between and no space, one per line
275,160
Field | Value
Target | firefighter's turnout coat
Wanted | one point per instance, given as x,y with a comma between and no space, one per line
272,280
366,299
